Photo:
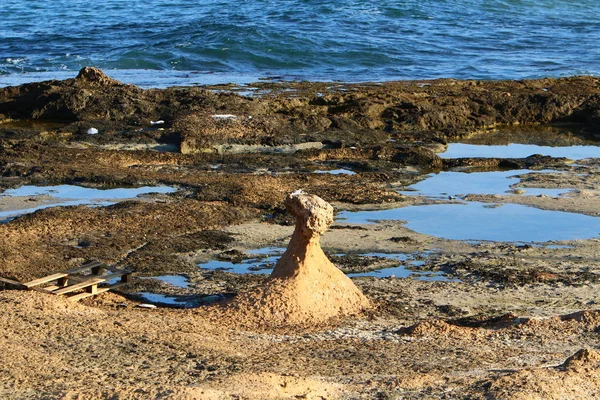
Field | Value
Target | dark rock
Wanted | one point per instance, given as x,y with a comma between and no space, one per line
418,156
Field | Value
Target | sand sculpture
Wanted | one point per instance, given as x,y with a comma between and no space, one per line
305,287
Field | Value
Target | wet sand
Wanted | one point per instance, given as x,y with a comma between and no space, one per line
500,327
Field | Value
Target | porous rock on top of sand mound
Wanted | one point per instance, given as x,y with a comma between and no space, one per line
304,287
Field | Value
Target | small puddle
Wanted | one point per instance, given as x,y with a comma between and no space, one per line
258,265
67,195
458,184
156,298
336,172
403,271
515,150
179,301
558,246
174,280
481,221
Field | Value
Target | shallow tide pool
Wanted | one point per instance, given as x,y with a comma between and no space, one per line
84,193
70,195
482,221
450,183
515,150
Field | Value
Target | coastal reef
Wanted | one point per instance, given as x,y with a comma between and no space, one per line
219,119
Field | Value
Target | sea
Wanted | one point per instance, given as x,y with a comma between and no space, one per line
159,43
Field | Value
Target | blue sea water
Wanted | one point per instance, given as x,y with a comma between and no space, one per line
163,42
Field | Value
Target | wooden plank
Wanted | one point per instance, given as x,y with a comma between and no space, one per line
81,285
115,286
59,285
121,274
80,278
92,289
11,282
107,277
118,272
96,265
84,267
45,279
83,295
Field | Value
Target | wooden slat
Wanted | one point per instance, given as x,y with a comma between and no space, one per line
45,279
108,277
11,282
79,278
85,267
93,289
69,278
77,286
116,270
76,278
83,295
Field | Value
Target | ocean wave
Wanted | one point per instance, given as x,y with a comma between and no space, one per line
341,40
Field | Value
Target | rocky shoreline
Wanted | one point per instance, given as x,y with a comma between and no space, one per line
504,325
338,115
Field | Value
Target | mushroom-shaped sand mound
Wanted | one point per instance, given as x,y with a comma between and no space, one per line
305,287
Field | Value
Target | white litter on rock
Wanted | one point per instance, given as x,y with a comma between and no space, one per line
224,116
159,122
146,306
92,131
